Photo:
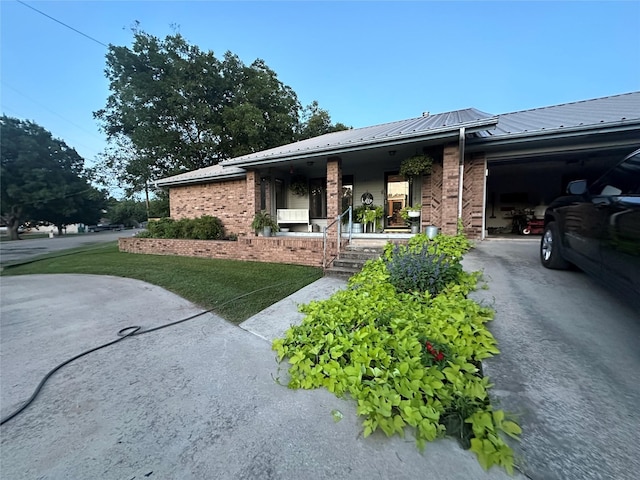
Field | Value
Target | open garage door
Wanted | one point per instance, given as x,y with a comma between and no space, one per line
518,187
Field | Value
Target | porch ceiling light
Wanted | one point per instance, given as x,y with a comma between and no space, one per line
310,163
392,152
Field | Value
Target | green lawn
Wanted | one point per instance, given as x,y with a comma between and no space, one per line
233,289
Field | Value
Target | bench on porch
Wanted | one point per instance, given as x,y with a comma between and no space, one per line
289,216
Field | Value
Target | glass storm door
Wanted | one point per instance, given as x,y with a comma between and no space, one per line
397,199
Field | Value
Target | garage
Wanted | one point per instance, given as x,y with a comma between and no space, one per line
532,155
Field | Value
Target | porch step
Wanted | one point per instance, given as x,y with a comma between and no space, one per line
352,259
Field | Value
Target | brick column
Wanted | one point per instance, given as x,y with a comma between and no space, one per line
334,190
450,186
432,197
473,195
252,198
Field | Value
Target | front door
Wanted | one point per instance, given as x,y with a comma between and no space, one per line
397,198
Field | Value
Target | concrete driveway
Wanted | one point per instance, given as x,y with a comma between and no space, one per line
570,364
198,400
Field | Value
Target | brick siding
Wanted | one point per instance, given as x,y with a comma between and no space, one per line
473,195
450,185
296,251
233,202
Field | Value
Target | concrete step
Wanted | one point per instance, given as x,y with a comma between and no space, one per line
340,272
352,259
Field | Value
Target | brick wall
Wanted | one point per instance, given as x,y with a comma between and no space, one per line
432,197
297,251
473,195
232,202
450,185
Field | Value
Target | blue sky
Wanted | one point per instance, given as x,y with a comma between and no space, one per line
365,62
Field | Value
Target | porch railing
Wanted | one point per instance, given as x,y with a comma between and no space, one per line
338,220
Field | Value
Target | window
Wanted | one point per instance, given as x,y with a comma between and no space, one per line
318,198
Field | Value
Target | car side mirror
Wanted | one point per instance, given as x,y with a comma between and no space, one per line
577,187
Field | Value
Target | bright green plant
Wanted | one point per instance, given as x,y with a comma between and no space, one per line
409,359
404,212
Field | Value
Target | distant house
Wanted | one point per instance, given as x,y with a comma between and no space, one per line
486,169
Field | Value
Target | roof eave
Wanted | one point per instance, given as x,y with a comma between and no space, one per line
434,134
205,179
555,134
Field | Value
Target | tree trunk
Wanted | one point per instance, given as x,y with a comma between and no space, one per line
13,232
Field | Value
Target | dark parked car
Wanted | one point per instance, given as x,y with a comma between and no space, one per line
103,227
597,228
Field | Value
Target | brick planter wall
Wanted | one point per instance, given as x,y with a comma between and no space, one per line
297,251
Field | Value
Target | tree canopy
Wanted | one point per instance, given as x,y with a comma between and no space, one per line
42,179
174,107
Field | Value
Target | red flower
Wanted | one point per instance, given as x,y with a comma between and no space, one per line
439,356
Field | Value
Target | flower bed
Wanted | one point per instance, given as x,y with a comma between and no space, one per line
407,346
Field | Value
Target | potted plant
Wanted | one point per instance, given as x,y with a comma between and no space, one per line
263,222
299,186
411,214
370,215
416,166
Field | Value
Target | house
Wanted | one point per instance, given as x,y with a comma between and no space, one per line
486,169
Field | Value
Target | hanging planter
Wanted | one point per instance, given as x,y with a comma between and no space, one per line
299,186
416,166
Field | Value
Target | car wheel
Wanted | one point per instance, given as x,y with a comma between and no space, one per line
550,248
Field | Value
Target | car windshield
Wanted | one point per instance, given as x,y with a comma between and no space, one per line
624,179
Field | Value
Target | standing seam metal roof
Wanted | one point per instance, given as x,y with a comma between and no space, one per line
371,135
621,109
616,110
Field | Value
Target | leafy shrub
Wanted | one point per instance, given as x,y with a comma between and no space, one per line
162,228
419,270
409,360
203,228
207,228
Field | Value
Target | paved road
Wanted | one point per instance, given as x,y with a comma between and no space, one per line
570,364
12,251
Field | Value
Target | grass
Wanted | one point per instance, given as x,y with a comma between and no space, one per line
233,289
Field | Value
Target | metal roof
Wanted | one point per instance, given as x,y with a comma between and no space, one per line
613,112
606,111
425,126
214,173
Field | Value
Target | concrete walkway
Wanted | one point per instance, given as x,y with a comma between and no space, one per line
198,400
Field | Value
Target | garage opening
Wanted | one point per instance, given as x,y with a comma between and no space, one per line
518,189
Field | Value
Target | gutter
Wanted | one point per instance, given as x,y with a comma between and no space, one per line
554,134
170,183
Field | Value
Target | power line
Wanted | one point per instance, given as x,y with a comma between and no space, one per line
63,24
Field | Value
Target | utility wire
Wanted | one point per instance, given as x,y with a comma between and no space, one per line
63,24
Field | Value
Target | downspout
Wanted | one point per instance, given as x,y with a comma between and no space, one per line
461,144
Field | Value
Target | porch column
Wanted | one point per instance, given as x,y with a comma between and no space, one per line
450,189
432,197
473,195
252,198
334,190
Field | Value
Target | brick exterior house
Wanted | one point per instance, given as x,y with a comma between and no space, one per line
481,162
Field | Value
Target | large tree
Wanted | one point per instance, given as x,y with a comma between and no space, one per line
42,179
175,108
